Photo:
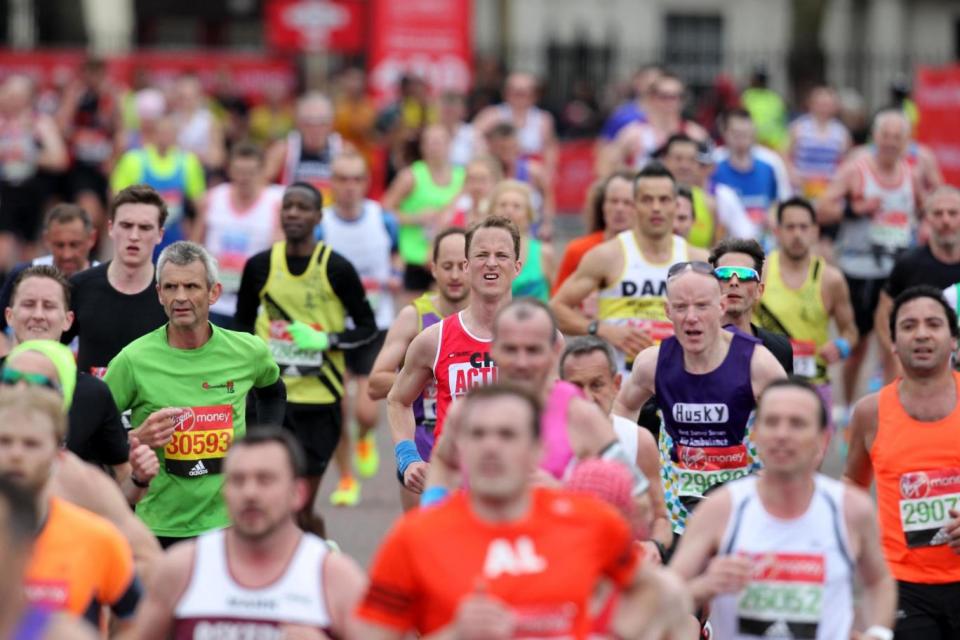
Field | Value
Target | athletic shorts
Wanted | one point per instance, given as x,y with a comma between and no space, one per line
166,542
416,278
423,437
864,296
359,361
927,611
317,427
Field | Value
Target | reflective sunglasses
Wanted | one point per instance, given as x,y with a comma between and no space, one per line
697,266
744,274
10,377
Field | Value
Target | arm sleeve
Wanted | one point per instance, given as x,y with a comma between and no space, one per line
196,184
271,403
346,284
120,380
267,370
110,439
392,597
119,586
76,291
255,273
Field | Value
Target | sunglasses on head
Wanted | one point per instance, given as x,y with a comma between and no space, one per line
697,266
10,377
744,274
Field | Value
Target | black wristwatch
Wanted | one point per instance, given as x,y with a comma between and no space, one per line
592,327
137,482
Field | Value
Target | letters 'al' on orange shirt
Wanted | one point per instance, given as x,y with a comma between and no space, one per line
544,566
917,467
80,562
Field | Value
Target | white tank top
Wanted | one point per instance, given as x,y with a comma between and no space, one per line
195,132
637,297
233,236
530,134
628,434
867,247
367,244
214,606
802,584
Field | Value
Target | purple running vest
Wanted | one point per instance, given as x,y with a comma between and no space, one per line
710,409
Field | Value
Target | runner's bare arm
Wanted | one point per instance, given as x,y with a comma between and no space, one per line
639,386
656,605
700,545
614,155
881,320
273,162
66,627
879,589
400,335
590,276
88,487
764,369
154,620
53,151
863,430
396,193
648,461
831,203
839,308
344,582
416,372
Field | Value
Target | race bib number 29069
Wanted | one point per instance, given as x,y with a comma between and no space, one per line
926,499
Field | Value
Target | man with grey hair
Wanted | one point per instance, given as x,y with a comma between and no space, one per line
591,364
186,385
307,153
875,199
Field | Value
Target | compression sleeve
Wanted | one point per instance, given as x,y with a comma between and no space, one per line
255,274
271,403
346,284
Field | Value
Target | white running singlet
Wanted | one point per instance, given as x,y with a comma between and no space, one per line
214,606
802,584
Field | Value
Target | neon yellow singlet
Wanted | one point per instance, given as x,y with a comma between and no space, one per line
311,377
637,297
703,229
799,314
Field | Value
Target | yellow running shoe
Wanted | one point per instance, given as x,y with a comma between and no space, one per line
347,493
366,456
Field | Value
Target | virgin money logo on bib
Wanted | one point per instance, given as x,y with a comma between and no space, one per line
700,413
921,484
914,485
702,458
205,418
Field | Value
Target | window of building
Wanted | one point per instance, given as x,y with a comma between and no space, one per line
693,48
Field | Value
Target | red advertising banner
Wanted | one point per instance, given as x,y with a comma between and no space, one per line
427,38
937,94
316,25
250,75
575,174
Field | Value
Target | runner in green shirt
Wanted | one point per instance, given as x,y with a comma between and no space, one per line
186,384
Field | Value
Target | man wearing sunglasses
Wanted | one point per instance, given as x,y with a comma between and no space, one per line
738,264
706,380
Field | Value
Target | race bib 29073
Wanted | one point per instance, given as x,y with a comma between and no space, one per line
926,498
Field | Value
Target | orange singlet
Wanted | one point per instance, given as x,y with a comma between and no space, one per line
917,466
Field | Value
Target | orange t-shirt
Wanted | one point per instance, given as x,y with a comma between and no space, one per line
573,254
80,562
545,566
917,467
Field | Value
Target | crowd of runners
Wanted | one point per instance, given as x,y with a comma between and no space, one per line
619,436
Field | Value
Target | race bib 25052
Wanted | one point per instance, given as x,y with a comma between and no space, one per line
784,598
200,441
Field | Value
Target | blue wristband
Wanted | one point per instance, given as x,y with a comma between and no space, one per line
406,454
843,346
433,496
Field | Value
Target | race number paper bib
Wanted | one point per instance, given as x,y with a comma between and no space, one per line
373,291
658,330
926,498
891,229
430,403
785,596
293,361
703,467
200,441
804,358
